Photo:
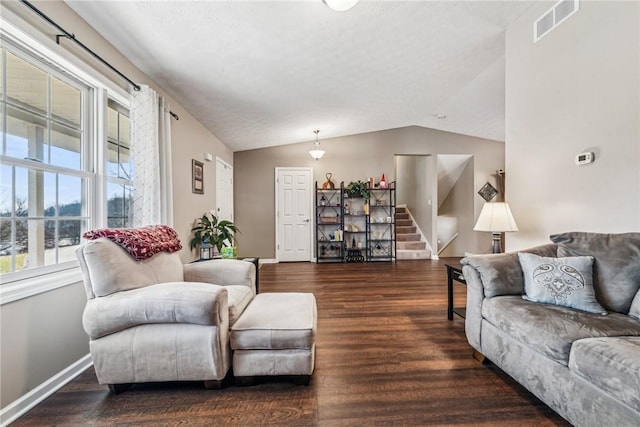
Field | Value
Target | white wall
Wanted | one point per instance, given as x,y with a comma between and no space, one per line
577,89
414,177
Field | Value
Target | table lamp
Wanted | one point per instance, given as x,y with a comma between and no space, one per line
496,217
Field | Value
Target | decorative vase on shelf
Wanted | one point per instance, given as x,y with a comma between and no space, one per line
383,182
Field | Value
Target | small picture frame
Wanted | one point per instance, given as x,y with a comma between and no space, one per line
197,173
488,192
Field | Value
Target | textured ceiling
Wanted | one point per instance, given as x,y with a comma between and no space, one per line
267,73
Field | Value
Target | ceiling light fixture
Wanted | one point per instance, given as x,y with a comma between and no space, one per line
316,153
340,5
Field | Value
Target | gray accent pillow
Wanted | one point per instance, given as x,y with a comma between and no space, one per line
560,281
634,311
616,268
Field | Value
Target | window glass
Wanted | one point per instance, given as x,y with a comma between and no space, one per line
26,135
118,205
26,85
118,161
69,195
66,102
2,74
21,189
6,190
65,147
123,138
43,203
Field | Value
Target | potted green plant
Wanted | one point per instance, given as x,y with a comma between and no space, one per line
358,189
208,229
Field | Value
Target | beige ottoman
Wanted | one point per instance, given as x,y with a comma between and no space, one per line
275,335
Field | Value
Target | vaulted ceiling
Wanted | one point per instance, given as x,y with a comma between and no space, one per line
265,73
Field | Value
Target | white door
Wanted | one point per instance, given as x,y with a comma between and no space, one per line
224,190
294,201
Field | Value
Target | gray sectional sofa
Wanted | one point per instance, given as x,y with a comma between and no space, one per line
584,365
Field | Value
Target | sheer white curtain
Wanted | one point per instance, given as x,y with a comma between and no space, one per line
151,156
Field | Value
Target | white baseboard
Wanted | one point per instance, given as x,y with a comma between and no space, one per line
434,256
16,409
268,261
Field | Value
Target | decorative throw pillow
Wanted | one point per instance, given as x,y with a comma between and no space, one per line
634,311
617,264
560,281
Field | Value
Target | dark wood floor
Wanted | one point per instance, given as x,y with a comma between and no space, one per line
385,355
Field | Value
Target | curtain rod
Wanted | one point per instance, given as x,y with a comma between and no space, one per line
72,37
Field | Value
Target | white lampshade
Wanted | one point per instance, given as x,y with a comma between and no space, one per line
496,217
340,5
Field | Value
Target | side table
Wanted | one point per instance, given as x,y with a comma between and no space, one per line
454,273
256,262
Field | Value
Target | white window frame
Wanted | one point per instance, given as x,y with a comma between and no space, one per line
24,284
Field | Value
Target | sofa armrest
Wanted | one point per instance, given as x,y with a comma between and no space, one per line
475,296
492,275
175,302
223,272
500,274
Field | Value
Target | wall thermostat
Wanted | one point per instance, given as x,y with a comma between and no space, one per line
584,158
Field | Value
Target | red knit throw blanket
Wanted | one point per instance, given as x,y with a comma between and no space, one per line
141,243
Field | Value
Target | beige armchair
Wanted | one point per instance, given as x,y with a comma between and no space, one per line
159,320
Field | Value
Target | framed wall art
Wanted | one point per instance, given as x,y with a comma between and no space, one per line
197,173
488,192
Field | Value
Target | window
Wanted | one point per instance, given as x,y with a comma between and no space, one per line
119,167
45,175
64,162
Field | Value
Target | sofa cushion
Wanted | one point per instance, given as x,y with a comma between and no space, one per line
612,364
617,264
108,268
276,321
550,329
176,302
566,281
239,298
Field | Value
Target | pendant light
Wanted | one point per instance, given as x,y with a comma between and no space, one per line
316,153
340,5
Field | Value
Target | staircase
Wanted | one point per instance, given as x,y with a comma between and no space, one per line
408,239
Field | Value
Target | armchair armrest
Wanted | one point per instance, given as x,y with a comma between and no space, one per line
223,272
174,302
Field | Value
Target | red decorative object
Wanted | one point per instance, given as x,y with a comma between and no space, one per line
141,243
383,182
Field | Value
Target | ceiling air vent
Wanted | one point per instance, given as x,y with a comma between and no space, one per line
553,17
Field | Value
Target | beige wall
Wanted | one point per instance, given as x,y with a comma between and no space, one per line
347,158
42,335
577,89
415,176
